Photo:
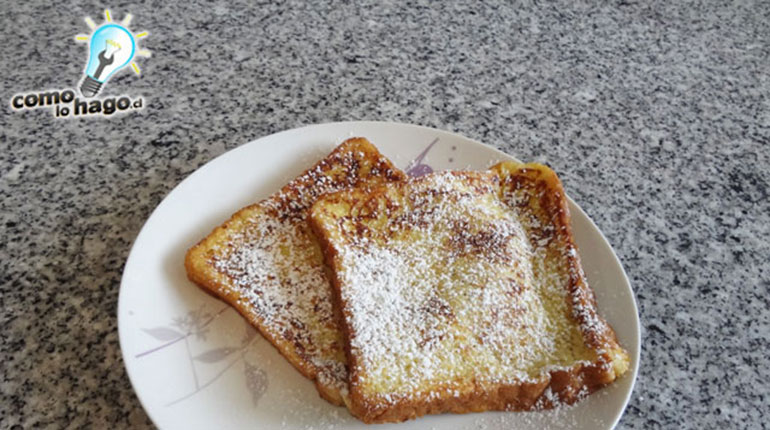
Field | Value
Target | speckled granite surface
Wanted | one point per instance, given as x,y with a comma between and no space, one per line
656,115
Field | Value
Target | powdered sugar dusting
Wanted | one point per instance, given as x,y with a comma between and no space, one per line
273,263
299,414
448,286
290,295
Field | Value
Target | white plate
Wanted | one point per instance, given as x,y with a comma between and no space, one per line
196,364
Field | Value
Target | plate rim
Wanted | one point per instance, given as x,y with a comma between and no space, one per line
208,165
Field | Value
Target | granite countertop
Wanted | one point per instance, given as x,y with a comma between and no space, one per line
655,114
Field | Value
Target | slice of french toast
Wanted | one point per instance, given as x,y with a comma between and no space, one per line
463,292
266,263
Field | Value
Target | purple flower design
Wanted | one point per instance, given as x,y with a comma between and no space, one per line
416,167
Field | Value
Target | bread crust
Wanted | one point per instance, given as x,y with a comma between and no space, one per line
353,163
552,388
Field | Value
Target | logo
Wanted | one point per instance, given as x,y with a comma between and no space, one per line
111,48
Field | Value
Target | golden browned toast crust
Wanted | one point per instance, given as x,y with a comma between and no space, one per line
265,262
504,219
540,183
544,190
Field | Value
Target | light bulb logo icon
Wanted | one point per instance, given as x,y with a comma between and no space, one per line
111,48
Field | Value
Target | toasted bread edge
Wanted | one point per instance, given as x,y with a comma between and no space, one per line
598,335
212,283
215,283
568,385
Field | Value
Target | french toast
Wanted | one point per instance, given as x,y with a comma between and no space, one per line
463,292
266,263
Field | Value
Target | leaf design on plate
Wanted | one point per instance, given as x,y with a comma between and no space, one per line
214,355
163,333
201,335
256,381
249,335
